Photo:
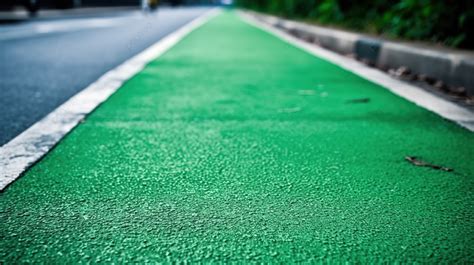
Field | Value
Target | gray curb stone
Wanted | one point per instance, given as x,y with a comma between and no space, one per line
453,67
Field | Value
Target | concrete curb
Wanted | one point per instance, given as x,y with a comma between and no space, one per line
455,68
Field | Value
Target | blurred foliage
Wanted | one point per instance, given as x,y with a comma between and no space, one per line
450,22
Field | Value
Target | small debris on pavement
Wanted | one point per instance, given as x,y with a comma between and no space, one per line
402,73
440,85
459,91
358,100
420,163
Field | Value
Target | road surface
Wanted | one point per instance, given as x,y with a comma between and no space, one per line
44,62
235,146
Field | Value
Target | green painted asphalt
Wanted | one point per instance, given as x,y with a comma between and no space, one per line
235,146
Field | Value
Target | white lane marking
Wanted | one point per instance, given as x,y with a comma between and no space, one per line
60,26
442,107
76,25
24,150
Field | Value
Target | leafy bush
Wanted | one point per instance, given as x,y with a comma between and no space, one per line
449,22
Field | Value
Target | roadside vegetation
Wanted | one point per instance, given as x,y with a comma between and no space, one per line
447,22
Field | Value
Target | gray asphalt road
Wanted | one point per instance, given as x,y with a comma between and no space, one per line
45,62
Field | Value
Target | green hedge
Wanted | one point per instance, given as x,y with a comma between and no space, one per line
450,22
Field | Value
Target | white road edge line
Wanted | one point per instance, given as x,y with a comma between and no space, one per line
420,97
24,150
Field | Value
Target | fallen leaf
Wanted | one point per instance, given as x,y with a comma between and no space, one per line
420,163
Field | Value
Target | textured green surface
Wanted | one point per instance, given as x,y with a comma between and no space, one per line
235,146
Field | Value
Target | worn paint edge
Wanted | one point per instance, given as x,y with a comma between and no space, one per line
23,151
420,97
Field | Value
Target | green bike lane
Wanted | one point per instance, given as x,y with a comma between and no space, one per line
236,146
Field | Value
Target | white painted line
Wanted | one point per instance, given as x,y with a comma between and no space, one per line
24,150
71,25
440,106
